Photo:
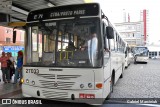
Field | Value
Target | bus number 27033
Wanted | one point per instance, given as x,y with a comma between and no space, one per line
35,71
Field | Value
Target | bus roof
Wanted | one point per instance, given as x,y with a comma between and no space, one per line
65,11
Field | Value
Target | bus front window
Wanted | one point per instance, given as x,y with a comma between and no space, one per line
78,46
67,43
141,51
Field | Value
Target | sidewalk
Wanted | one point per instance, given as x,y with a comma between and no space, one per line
9,90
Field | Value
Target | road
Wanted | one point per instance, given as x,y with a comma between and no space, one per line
139,81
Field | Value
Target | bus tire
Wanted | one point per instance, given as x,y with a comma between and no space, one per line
109,96
121,76
126,67
112,83
111,87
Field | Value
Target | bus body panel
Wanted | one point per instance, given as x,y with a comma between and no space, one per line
127,55
117,64
107,78
68,80
142,59
127,60
70,77
141,54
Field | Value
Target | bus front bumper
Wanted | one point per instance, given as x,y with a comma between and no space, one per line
141,59
92,97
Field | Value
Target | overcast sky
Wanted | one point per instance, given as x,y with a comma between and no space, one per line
114,9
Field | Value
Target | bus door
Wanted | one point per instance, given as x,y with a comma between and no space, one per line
107,61
36,44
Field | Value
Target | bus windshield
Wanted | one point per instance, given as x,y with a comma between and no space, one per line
141,51
65,43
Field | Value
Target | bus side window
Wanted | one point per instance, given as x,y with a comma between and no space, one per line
112,44
106,50
126,52
104,35
115,41
106,44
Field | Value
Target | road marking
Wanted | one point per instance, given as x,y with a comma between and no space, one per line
153,105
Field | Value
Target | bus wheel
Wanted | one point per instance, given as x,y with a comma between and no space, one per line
135,62
111,87
121,76
126,67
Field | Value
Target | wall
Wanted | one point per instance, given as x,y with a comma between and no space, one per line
8,33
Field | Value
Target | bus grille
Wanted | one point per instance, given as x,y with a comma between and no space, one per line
60,77
53,95
67,77
56,85
47,76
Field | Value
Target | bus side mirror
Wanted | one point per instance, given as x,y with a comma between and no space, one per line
109,32
14,36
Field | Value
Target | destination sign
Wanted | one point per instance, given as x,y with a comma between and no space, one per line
64,12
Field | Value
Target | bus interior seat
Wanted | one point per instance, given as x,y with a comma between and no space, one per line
48,57
80,54
60,55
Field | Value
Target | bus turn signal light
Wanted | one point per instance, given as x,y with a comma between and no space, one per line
99,85
22,81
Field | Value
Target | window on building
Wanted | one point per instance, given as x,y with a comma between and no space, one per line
8,40
155,53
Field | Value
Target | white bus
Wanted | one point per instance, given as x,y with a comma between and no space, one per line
127,55
53,71
141,54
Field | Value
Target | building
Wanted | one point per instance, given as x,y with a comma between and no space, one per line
154,49
131,32
134,33
144,16
6,38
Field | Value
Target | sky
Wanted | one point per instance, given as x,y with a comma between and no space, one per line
114,10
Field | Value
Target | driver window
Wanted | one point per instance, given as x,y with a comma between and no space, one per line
36,44
35,54
34,38
49,48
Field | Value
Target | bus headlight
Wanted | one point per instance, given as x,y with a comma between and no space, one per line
33,82
82,86
27,80
90,85
22,80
